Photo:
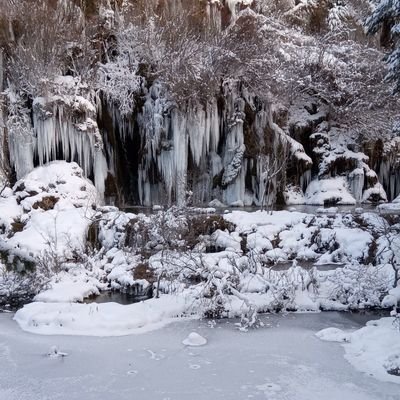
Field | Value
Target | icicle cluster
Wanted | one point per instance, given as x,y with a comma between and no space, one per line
69,131
201,147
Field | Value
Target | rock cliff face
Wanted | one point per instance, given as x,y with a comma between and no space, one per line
237,145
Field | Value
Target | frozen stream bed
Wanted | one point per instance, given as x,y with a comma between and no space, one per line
281,361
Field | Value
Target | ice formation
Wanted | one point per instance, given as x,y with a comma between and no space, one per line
215,150
201,147
162,152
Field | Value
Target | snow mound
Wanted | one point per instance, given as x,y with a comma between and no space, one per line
333,335
10,211
53,207
329,191
392,299
194,339
63,180
374,349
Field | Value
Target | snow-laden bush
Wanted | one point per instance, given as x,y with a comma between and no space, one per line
359,286
20,282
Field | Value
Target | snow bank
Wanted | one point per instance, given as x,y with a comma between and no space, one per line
230,271
249,222
351,242
327,238
69,290
56,231
293,195
373,349
389,208
105,319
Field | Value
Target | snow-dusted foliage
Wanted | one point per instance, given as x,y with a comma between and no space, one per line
38,51
119,79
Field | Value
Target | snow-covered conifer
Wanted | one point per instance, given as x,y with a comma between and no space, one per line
384,16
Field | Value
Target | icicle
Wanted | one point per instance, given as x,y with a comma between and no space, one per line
21,144
389,176
356,183
305,180
198,132
234,194
180,156
20,138
59,135
100,173
214,14
211,137
214,127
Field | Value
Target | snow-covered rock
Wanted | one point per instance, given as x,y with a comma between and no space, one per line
216,204
333,335
194,340
329,192
54,352
49,212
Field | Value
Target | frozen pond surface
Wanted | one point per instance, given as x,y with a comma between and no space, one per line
282,361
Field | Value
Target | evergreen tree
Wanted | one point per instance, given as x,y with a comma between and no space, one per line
386,17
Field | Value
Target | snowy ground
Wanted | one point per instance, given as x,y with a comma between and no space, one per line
51,220
225,269
282,361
